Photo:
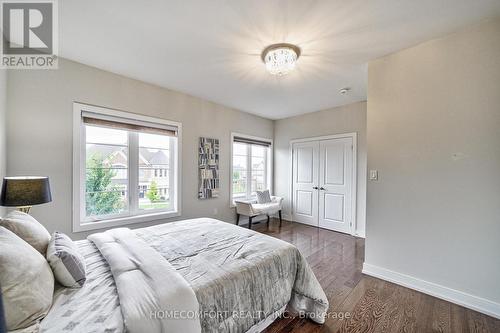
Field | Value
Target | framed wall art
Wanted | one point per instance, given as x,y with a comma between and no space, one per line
208,165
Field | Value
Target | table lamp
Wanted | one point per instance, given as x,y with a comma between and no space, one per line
24,192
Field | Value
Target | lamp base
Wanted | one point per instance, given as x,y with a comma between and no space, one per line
24,209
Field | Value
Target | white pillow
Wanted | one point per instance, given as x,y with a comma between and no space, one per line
29,229
66,262
26,280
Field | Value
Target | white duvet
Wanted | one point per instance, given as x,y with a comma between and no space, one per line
154,297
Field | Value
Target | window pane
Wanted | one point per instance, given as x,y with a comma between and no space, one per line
258,163
240,171
258,181
109,155
154,196
239,149
154,172
259,150
239,182
239,162
154,157
105,135
105,203
154,141
106,173
259,168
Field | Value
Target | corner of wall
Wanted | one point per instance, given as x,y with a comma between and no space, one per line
3,128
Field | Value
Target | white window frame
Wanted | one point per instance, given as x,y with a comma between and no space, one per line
79,152
268,172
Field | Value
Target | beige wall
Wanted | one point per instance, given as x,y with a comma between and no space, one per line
40,132
3,128
344,119
434,136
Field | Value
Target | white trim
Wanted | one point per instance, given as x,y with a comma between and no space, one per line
360,234
354,190
325,137
469,301
133,164
126,220
290,181
270,179
79,173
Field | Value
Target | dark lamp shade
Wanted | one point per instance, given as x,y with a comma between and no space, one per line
25,191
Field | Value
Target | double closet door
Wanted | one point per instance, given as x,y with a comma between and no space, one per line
323,183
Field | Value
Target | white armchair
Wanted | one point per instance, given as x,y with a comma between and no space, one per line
251,209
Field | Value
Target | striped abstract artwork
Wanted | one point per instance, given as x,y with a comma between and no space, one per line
208,165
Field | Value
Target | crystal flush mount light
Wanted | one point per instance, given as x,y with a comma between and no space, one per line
281,58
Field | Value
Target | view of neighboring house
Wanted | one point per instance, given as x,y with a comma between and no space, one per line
153,172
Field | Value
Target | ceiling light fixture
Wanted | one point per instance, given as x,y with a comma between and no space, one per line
280,58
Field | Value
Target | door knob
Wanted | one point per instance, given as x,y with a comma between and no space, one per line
322,188
315,187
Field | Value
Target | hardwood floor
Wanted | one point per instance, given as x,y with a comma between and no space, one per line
374,305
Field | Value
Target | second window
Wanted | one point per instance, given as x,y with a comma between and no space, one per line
251,160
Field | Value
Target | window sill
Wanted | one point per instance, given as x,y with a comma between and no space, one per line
123,221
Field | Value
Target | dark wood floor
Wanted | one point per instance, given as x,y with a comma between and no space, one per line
373,304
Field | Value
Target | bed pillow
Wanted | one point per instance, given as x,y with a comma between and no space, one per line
66,262
29,229
26,280
263,197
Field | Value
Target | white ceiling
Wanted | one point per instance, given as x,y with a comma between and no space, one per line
211,48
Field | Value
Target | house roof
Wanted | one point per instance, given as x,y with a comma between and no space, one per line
110,154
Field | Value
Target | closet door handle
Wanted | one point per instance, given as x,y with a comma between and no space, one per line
322,189
315,188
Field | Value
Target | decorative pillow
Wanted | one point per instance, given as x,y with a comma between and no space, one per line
26,280
29,229
66,262
263,197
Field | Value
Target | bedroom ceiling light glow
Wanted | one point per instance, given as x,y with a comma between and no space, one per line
280,58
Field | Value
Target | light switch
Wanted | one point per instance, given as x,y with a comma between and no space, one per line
373,174
457,156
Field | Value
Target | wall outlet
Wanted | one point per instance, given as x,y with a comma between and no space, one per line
373,174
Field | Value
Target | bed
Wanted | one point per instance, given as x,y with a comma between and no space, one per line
154,279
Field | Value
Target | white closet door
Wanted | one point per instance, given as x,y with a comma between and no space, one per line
335,182
305,182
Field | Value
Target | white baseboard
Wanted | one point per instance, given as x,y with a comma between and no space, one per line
476,303
360,234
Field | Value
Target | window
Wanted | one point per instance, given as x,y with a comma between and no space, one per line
125,168
251,166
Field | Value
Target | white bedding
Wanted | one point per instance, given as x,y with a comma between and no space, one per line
230,269
146,283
